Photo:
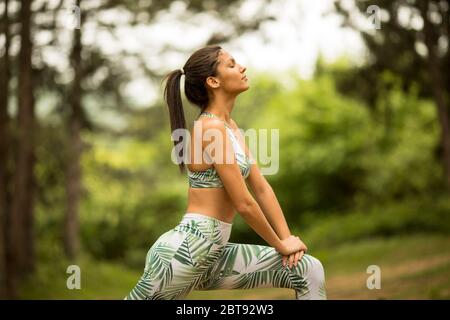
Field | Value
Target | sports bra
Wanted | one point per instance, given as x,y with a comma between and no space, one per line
209,178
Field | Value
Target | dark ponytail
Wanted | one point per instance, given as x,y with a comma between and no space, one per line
172,96
200,65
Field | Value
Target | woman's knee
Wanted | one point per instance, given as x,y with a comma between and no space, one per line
315,271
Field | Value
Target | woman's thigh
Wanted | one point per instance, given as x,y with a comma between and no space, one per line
174,265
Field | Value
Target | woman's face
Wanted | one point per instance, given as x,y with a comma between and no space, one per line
230,77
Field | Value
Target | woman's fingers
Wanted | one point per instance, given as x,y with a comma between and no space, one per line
296,258
301,255
291,260
284,260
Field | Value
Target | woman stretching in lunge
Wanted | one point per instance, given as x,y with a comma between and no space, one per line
196,254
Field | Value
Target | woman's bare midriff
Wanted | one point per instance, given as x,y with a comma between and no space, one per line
212,202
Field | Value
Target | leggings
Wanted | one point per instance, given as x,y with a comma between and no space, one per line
196,255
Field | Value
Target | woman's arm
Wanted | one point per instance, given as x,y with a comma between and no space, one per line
265,196
268,202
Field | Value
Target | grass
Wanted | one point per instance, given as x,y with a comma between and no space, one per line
99,280
412,267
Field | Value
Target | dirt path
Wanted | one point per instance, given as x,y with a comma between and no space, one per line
353,286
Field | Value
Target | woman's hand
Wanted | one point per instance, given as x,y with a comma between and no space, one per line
292,245
293,258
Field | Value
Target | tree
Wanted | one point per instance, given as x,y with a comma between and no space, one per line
73,174
410,43
4,153
21,224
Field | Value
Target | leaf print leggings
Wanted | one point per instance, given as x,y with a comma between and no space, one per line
196,255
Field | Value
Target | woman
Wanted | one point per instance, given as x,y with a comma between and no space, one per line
196,254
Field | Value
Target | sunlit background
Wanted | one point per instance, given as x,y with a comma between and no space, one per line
359,91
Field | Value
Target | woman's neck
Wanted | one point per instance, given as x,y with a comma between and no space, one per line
221,107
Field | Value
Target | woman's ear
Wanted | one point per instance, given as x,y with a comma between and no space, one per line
213,82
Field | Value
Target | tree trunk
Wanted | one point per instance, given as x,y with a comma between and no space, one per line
438,88
6,287
73,170
21,236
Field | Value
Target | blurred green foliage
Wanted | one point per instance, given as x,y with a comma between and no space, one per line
336,154
384,220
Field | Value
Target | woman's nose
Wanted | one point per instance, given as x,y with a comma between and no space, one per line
243,69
